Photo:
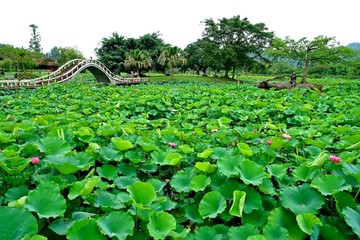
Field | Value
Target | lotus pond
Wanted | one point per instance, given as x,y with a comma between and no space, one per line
179,160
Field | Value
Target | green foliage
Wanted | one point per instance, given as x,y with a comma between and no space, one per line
106,168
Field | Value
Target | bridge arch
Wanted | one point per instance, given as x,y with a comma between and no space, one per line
69,70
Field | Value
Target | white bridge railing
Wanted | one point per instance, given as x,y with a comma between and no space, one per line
68,71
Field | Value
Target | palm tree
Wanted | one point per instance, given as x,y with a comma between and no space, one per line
138,58
171,57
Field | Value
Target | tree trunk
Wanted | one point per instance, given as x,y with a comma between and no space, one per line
307,63
172,71
226,73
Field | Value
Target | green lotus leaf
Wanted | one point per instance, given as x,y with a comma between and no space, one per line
186,149
220,152
38,237
301,199
251,172
352,218
158,156
277,170
13,165
85,134
330,232
245,149
199,182
237,206
286,219
319,160
352,170
354,146
116,224
53,205
307,222
205,154
16,223
172,159
69,164
253,199
304,172
313,150
273,231
257,237
81,215
60,226
107,130
147,144
206,232
84,229
343,200
242,232
135,157
257,218
124,181
18,203
160,224
212,204
192,213
83,187
6,138
226,186
53,146
121,144
329,184
267,187
156,183
228,165
108,171
15,193
106,199
181,181
179,233
109,154
142,193
206,167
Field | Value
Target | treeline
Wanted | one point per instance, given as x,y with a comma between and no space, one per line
228,46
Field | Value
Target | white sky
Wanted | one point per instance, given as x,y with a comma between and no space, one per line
82,24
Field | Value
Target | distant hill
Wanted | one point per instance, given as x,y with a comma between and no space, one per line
354,45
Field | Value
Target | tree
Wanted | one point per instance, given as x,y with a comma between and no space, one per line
68,53
321,50
140,59
171,57
197,57
238,42
112,50
35,40
54,53
18,58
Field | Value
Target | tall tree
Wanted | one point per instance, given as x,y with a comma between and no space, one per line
35,40
305,53
139,59
171,57
238,41
112,52
67,53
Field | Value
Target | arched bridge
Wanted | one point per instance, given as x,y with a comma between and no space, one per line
68,71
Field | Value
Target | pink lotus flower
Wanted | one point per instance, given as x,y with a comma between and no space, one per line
334,158
255,131
287,136
233,144
172,144
35,160
269,142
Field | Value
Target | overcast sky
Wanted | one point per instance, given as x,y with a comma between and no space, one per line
82,24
